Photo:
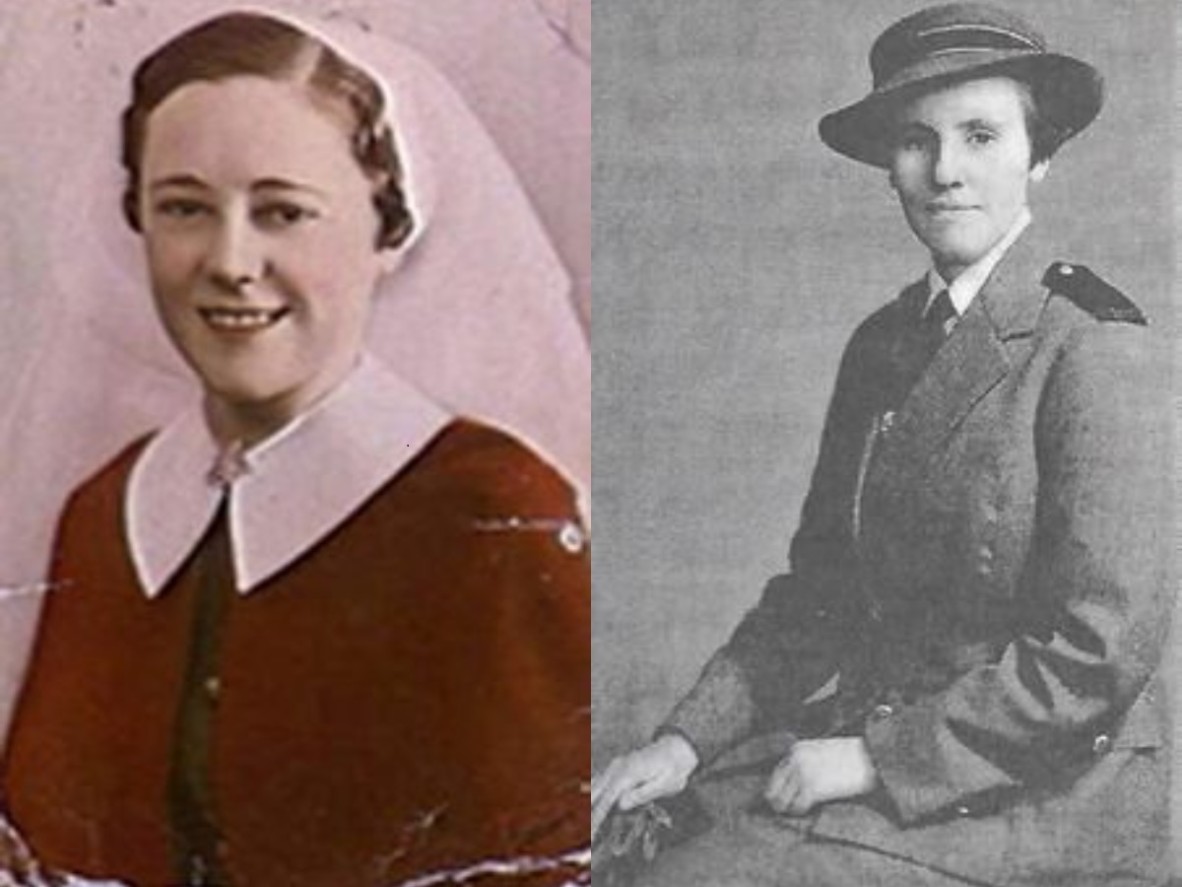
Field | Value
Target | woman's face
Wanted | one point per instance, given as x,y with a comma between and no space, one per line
260,231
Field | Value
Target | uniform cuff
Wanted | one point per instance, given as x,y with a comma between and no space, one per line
901,743
717,713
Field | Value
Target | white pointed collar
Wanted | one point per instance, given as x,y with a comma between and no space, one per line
965,286
295,488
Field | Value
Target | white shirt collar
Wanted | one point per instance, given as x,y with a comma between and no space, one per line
964,288
298,485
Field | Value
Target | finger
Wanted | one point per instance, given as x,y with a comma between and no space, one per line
599,813
775,785
801,803
786,789
800,800
598,816
610,789
641,794
780,773
604,781
598,782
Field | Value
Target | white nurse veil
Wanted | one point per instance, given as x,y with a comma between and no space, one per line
478,313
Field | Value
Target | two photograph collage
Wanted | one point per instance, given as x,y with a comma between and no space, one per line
532,443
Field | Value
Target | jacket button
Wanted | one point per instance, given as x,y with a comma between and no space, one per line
1102,744
213,688
963,810
984,564
198,872
571,538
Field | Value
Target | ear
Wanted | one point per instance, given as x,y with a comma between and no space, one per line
389,259
1038,172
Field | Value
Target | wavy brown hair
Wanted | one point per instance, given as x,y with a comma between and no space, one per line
244,43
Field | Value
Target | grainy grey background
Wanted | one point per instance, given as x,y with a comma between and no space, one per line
732,256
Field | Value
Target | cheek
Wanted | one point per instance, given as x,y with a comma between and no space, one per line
337,287
908,178
1011,172
1011,183
170,260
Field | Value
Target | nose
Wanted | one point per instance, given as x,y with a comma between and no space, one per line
236,256
947,165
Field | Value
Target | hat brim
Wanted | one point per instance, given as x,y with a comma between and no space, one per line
1067,92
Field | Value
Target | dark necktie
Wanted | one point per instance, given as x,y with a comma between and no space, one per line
922,338
192,806
934,324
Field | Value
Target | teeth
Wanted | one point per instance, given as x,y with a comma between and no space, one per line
240,318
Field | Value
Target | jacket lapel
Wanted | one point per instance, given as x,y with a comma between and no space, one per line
976,357
968,365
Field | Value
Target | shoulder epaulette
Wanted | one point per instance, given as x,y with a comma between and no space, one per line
1091,293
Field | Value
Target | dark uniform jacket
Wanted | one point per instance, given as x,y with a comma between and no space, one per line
983,563
404,699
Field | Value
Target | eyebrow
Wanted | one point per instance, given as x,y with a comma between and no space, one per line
971,123
277,184
188,180
177,181
979,123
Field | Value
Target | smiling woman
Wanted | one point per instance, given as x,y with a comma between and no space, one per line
962,165
956,680
319,629
262,245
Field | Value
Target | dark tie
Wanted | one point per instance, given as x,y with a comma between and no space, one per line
933,324
192,806
922,338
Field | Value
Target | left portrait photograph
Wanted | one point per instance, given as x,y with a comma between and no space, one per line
295,443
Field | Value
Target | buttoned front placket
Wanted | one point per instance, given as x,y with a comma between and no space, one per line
192,805
920,338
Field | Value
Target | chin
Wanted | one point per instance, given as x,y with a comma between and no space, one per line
241,384
957,253
242,393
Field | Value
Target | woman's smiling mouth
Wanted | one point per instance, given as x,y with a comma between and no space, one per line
940,208
242,320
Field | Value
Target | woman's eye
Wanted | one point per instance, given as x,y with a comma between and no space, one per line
180,208
981,137
912,142
283,215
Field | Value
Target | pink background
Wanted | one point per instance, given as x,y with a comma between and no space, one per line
734,255
523,68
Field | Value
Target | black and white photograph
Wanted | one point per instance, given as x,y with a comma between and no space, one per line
882,448
294,443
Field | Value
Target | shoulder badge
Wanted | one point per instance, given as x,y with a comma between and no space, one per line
1097,297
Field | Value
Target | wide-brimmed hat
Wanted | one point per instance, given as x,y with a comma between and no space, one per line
961,41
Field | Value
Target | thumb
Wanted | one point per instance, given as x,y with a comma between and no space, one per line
641,794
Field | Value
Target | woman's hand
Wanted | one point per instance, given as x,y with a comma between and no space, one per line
821,770
657,770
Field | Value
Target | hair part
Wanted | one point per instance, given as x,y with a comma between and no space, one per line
246,44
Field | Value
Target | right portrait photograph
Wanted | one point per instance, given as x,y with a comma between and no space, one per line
884,444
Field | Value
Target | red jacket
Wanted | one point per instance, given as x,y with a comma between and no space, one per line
409,696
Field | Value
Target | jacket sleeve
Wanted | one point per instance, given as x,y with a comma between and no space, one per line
1092,601
530,752
785,648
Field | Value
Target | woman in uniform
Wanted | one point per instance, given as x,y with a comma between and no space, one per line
318,629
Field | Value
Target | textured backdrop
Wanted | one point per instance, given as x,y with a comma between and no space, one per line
733,254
